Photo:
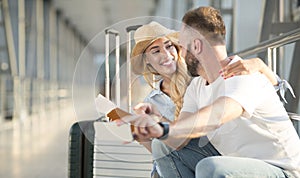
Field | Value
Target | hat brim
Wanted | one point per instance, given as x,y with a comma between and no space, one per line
138,50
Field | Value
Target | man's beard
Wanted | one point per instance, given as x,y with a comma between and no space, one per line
192,67
192,63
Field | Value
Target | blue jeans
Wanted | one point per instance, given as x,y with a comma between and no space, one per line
237,167
181,163
200,156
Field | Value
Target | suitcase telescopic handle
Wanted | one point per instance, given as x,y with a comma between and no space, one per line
129,30
117,67
132,28
111,31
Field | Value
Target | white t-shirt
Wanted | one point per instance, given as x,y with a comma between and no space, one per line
264,131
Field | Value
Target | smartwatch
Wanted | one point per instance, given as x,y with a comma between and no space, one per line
165,126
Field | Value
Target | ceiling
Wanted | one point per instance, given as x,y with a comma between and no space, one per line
93,16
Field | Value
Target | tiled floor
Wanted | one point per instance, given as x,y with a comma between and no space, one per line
37,148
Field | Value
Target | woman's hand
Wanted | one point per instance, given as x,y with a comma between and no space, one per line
246,67
242,67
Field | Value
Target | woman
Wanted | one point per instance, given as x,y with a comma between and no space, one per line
157,53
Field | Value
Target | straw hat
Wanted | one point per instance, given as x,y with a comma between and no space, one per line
144,37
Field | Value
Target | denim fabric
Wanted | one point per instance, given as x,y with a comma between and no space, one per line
236,167
201,160
163,102
181,163
159,151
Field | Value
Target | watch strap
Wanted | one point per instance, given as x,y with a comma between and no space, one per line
166,128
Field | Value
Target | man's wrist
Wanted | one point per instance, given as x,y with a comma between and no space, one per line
166,128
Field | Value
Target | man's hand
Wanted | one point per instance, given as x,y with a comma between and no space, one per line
146,108
145,127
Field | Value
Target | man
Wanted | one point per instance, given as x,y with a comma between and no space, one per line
242,116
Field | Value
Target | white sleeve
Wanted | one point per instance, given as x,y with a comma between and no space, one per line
189,100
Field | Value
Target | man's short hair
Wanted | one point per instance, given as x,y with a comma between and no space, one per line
208,21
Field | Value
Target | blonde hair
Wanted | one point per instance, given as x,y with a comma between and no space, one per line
179,81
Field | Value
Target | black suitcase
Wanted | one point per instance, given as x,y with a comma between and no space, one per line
81,150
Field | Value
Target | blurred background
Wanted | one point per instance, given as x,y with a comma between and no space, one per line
52,55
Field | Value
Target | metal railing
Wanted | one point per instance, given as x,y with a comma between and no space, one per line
271,45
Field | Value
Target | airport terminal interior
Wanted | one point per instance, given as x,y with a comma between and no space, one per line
56,56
